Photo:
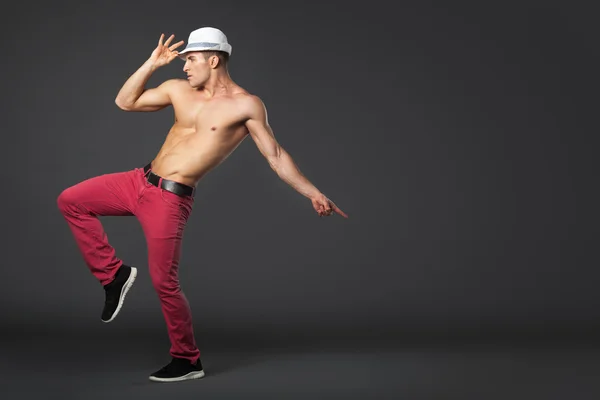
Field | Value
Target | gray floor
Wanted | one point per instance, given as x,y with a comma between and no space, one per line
117,367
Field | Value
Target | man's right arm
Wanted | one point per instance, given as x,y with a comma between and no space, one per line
133,96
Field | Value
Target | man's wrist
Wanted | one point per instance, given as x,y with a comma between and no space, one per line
151,64
314,194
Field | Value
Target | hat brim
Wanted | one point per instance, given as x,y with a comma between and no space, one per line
225,47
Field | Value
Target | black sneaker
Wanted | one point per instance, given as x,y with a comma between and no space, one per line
179,369
116,291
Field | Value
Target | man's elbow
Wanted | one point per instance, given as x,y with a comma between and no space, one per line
274,162
123,105
275,158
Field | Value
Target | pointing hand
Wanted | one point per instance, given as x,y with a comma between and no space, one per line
325,207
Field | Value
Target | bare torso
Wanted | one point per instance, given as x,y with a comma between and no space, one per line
206,131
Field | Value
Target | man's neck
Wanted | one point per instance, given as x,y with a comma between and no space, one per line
219,84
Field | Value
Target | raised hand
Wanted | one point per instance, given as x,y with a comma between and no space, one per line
163,54
325,207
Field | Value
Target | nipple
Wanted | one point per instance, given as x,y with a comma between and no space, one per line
213,128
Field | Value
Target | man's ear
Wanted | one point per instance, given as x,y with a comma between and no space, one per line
214,61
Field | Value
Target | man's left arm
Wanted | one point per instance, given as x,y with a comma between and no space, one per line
280,160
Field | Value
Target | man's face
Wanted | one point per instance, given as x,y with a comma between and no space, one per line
196,68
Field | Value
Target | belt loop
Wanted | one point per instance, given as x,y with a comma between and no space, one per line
149,166
160,182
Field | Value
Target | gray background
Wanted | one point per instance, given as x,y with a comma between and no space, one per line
453,138
458,139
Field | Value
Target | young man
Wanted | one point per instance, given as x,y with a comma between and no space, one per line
213,115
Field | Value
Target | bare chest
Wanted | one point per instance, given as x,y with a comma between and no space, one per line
207,115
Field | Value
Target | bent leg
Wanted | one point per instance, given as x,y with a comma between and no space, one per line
81,205
163,218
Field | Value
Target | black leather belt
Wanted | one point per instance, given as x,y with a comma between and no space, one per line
174,187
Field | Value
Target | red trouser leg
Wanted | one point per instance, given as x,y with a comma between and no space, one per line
163,216
82,204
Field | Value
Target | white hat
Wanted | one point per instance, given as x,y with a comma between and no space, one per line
207,38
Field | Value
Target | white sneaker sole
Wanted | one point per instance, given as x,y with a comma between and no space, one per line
124,291
191,375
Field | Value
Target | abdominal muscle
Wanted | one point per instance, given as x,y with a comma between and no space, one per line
187,155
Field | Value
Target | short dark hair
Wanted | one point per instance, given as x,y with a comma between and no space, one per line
223,56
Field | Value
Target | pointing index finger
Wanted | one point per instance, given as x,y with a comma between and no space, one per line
337,210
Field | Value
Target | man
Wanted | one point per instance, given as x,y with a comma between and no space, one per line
213,115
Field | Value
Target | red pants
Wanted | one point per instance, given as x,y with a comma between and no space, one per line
163,216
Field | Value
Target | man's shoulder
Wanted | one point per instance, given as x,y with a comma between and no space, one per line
249,101
175,81
174,84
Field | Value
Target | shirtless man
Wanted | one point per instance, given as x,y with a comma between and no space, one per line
213,115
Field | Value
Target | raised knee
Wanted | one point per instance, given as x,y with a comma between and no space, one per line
65,200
